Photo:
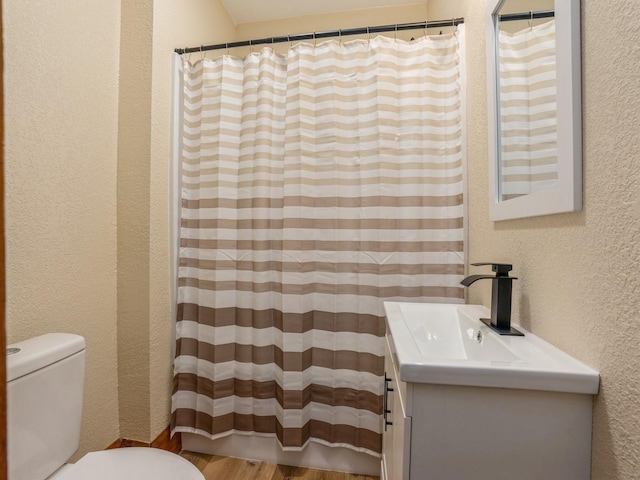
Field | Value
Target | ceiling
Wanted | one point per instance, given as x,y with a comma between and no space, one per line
247,11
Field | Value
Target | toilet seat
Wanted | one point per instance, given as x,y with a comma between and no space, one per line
134,463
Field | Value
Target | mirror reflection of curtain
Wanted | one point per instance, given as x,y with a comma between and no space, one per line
314,186
528,110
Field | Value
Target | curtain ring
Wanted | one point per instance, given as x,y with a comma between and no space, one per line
314,40
226,45
250,46
395,32
530,18
368,35
201,53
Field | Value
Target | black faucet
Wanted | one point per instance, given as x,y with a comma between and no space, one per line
501,287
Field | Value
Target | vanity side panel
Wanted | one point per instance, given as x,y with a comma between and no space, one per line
500,434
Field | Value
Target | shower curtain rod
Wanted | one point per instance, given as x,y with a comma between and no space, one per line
510,17
330,33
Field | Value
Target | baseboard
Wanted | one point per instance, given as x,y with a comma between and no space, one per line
124,443
164,441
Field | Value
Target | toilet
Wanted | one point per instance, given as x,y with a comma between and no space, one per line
45,377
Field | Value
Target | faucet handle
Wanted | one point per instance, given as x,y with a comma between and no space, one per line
501,269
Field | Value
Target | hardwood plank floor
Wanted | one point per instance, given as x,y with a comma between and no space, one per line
226,468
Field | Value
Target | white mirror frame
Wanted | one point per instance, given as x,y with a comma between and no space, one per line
566,196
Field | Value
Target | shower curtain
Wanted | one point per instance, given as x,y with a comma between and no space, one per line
529,147
315,185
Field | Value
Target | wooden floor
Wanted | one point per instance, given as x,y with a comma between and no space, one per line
225,468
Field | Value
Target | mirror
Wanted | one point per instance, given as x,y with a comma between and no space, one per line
534,95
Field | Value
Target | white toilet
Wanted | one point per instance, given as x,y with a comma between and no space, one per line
44,401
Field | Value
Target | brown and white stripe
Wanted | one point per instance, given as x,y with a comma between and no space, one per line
314,186
529,148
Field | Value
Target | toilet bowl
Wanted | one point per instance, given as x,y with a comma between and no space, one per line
45,377
134,463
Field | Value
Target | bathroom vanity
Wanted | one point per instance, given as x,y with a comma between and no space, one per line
462,402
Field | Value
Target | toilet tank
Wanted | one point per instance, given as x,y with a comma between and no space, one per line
44,404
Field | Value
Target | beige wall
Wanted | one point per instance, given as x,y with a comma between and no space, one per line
578,273
151,30
87,115
155,29
134,158
61,121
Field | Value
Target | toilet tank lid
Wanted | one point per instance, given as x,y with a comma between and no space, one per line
39,352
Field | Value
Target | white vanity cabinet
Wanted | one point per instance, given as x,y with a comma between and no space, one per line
439,430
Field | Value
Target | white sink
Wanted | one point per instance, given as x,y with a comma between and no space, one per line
448,344
450,333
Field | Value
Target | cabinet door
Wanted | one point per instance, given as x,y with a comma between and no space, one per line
401,435
387,438
396,438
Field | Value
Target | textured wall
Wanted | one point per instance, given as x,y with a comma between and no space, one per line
134,157
578,284
87,162
61,92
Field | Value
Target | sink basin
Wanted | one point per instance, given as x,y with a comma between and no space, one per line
450,333
448,344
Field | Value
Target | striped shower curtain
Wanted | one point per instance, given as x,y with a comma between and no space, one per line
529,147
315,185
